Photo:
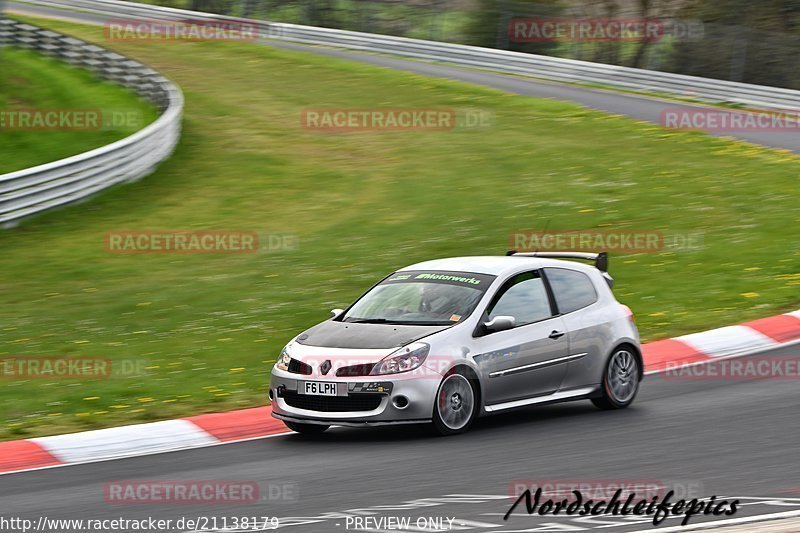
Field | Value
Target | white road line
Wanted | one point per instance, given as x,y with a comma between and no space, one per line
105,459
728,340
755,351
722,523
125,441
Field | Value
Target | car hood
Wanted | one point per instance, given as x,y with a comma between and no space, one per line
333,334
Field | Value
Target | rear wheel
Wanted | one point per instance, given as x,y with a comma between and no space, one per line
456,404
620,380
306,429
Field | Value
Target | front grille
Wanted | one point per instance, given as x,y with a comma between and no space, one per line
299,367
333,404
356,370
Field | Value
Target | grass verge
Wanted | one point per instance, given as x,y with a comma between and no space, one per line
31,82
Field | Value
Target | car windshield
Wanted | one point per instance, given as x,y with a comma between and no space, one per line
420,298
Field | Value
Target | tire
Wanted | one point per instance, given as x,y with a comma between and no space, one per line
620,380
455,405
305,429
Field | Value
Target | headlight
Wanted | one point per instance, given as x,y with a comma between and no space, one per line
283,359
405,359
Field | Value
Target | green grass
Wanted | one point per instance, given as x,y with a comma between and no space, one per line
209,327
29,81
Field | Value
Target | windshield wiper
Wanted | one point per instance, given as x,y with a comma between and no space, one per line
430,323
398,322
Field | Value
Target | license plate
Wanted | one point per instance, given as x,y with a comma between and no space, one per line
320,388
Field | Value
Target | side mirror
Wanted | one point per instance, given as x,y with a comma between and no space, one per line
336,312
500,323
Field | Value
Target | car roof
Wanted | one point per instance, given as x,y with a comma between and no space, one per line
495,265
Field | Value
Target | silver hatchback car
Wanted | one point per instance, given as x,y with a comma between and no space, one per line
448,340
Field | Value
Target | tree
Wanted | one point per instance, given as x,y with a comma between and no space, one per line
490,23
743,41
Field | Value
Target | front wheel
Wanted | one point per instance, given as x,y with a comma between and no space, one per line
456,404
620,380
306,429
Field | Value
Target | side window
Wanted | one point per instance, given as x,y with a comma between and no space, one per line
524,297
573,290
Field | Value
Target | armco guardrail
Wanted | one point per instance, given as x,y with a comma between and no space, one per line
33,190
565,70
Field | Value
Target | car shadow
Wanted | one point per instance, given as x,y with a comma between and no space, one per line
543,416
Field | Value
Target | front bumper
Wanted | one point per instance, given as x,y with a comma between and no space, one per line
381,408
348,423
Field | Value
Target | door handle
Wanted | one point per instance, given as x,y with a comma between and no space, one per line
556,334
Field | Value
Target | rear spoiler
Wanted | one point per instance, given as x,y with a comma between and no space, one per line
600,259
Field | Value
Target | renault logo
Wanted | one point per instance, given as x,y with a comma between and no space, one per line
325,367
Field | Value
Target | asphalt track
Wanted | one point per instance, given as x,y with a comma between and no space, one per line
632,105
732,439
729,439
